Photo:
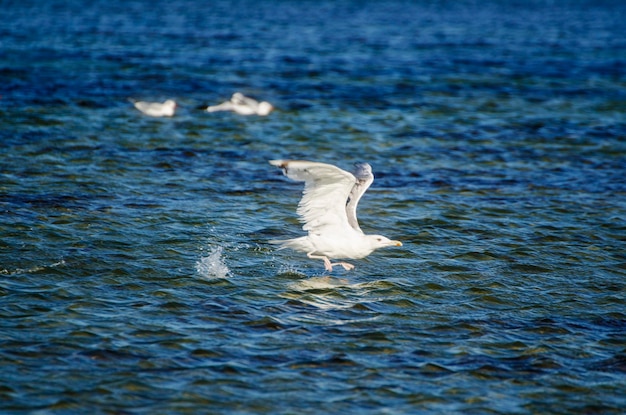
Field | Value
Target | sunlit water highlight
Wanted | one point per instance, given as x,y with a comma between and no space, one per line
135,272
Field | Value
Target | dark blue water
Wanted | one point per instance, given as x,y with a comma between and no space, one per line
135,272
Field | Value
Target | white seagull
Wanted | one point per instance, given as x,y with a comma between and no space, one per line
328,211
156,109
243,105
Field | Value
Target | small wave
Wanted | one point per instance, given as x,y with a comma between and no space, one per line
34,269
213,265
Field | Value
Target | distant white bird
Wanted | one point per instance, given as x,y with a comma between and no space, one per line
243,105
156,109
328,210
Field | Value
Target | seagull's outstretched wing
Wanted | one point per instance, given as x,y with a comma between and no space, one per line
364,178
326,190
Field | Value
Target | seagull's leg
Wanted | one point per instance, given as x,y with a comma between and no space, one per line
345,265
327,264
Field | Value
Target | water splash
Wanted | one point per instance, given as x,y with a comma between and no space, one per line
213,265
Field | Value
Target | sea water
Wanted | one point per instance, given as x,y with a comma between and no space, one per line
136,275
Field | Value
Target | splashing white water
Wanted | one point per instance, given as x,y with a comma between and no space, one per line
213,265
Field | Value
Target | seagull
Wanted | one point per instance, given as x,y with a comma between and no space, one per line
328,211
156,109
243,105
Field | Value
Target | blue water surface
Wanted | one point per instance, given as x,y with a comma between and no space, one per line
136,275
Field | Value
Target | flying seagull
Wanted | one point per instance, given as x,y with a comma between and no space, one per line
328,211
243,105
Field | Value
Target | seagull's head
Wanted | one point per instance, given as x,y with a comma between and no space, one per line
170,103
264,108
379,241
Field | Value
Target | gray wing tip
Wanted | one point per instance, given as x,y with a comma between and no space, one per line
362,171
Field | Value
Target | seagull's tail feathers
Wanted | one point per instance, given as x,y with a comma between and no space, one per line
298,244
280,242
224,106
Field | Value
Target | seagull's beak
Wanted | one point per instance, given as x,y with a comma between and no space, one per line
396,243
